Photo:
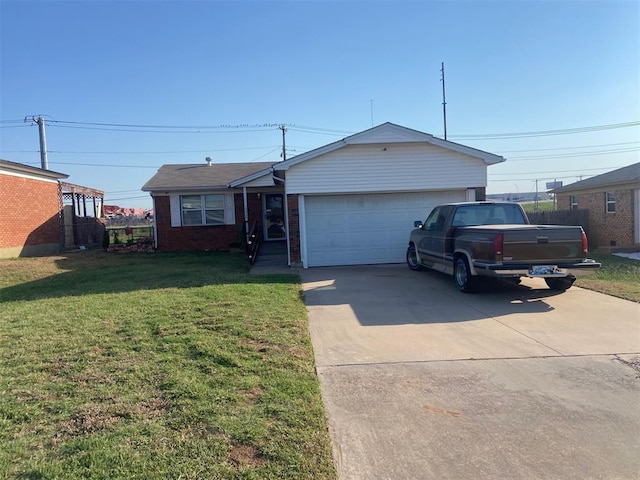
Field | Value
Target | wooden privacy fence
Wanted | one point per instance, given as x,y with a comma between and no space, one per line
562,217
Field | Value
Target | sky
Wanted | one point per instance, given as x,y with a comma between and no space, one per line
127,86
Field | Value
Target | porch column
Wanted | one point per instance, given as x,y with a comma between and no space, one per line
246,214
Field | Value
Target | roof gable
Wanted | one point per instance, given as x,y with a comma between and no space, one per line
625,175
389,133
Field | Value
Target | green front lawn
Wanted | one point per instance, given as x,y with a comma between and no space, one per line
155,367
618,276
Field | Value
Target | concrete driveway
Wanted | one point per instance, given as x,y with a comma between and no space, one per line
420,381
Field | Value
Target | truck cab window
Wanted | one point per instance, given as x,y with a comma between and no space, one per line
435,221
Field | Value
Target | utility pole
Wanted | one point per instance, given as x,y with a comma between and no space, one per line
44,163
284,146
444,103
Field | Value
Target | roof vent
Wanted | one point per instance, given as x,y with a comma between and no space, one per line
209,160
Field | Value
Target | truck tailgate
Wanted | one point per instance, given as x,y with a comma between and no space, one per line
542,243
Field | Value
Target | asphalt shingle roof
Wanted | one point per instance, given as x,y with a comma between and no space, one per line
628,174
201,175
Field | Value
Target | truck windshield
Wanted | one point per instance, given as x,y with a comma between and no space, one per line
488,215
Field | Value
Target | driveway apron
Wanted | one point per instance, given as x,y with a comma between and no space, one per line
420,381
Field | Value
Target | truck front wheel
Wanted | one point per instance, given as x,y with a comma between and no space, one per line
560,284
465,282
412,258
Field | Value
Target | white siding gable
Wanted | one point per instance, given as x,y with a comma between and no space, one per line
388,133
264,181
391,168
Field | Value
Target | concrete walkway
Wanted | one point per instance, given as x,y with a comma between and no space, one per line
420,381
272,260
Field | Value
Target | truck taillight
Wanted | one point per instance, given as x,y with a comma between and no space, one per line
498,243
585,244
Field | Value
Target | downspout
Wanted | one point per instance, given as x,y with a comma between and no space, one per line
61,229
155,223
286,216
246,215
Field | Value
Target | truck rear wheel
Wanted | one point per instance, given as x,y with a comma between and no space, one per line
560,284
412,258
465,282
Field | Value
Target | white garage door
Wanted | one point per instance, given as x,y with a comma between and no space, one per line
365,229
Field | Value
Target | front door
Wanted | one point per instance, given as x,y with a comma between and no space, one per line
273,216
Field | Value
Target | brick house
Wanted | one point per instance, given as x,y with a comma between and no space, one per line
30,206
350,202
613,202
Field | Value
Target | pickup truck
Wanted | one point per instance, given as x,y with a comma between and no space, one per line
472,240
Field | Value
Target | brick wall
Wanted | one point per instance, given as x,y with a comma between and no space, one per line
294,230
203,238
29,216
606,229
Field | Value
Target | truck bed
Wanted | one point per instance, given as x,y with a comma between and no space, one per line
527,243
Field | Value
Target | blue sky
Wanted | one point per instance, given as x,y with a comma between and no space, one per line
326,69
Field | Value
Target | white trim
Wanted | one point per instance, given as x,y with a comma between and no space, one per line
404,135
636,220
608,202
176,213
27,176
303,231
155,224
245,208
229,209
471,194
176,208
285,207
267,172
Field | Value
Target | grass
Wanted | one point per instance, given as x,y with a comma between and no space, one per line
618,276
543,206
155,367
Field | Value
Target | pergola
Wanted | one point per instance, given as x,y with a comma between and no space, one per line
77,196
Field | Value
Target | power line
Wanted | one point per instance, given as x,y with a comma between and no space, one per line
121,191
125,198
511,180
138,152
106,165
556,171
569,155
115,129
306,129
568,148
545,133
189,127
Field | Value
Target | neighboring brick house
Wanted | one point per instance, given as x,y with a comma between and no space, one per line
613,202
350,202
30,206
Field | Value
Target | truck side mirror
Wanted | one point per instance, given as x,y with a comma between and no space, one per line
417,224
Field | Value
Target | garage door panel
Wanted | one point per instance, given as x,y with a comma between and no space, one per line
365,229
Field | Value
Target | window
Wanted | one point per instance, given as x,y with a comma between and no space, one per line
611,202
202,209
435,221
574,202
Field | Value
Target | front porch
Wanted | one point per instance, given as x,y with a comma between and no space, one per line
272,259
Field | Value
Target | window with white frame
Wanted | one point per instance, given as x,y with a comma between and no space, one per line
574,202
202,209
611,202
